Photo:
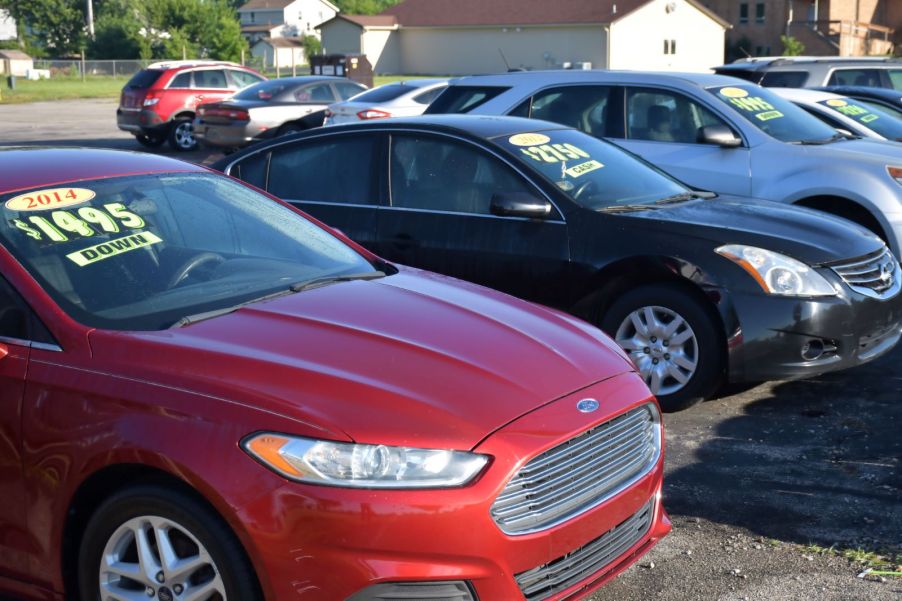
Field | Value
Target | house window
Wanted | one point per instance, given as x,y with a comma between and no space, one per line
759,12
744,13
669,46
253,18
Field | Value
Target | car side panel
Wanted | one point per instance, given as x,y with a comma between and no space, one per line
15,541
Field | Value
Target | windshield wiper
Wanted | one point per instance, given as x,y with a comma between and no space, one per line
298,287
627,208
684,196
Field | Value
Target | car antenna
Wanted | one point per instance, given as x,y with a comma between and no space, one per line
504,58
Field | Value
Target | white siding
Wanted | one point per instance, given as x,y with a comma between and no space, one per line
268,53
462,51
341,37
637,40
382,48
7,26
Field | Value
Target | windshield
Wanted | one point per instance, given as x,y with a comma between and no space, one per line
384,93
871,117
594,173
773,115
265,90
142,252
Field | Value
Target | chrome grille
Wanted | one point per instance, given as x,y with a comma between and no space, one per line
875,274
548,579
581,473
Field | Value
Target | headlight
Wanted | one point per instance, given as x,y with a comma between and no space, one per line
363,465
895,173
776,273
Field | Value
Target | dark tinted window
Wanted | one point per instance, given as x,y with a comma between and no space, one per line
663,116
522,109
182,80
428,96
318,92
210,78
462,99
752,76
581,107
784,79
13,313
875,119
869,78
347,89
144,78
252,169
340,170
441,175
384,93
265,90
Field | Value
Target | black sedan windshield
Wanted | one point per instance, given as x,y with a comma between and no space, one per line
596,174
874,118
143,252
774,115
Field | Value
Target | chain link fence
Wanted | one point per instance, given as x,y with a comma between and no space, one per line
127,68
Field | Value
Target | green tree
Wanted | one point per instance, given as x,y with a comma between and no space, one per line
226,43
52,27
312,46
118,37
792,46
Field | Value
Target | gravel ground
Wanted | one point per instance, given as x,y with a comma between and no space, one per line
752,479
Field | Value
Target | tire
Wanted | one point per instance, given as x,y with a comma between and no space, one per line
181,135
150,141
688,358
189,526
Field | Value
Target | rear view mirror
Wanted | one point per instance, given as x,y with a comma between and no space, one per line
721,135
519,204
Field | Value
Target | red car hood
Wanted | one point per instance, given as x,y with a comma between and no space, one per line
412,359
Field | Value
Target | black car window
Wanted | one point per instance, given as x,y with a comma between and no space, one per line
664,116
210,79
384,93
16,318
318,92
252,169
337,169
346,89
874,119
825,118
144,79
242,79
869,78
522,109
264,90
746,74
784,79
463,99
437,174
182,80
428,96
584,108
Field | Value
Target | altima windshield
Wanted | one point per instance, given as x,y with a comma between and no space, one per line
143,252
596,174
774,115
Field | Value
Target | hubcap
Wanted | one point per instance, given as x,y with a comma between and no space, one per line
156,558
662,345
184,135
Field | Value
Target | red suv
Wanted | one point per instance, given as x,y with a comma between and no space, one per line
157,103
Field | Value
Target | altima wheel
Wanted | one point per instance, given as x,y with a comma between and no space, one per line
181,136
662,345
672,338
156,544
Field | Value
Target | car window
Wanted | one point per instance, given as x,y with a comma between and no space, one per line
594,173
442,175
869,78
144,79
143,252
832,122
664,116
337,169
897,113
428,96
252,169
384,93
16,318
242,79
182,80
784,79
463,99
873,118
895,77
264,90
772,114
346,89
318,92
210,79
584,108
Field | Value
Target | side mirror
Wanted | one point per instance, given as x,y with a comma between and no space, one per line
721,135
519,204
845,132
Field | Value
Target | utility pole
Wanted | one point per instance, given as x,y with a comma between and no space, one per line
90,15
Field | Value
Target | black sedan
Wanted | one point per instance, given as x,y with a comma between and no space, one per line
698,289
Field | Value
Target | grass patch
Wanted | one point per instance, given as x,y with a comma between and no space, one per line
875,560
61,88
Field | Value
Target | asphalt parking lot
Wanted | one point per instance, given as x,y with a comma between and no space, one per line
774,490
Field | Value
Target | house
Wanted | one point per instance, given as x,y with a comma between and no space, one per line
441,37
825,27
283,18
7,26
279,52
15,62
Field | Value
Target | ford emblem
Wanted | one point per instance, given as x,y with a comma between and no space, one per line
587,405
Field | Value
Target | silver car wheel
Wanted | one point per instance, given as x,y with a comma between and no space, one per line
184,135
150,557
662,345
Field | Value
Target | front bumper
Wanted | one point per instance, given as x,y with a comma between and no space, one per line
141,122
230,135
774,331
332,543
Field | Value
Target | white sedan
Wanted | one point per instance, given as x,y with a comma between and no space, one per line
402,99
846,114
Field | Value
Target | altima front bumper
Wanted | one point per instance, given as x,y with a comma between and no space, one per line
332,543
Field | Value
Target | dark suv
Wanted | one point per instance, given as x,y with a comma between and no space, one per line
157,103
811,71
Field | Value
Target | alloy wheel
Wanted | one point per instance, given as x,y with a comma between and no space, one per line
184,135
157,559
663,346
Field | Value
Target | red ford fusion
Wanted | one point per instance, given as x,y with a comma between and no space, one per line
207,395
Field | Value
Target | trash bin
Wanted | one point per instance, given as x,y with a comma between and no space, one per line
11,82
355,67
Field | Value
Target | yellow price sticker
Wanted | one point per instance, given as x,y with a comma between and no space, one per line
529,139
112,248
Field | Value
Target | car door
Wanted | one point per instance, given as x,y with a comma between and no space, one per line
663,127
439,218
334,178
14,353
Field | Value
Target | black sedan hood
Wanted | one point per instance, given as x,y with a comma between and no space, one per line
807,235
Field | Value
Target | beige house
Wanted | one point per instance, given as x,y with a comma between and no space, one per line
282,53
459,37
15,62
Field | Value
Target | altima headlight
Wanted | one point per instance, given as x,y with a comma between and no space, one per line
363,465
776,273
